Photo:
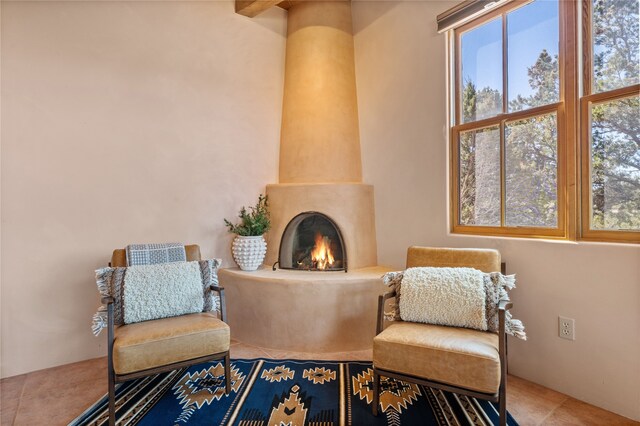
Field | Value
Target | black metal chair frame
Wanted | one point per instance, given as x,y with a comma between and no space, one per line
114,378
500,397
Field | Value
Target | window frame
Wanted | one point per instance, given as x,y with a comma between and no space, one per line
586,100
566,131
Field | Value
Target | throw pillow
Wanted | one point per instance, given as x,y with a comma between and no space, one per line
444,296
113,282
495,289
161,290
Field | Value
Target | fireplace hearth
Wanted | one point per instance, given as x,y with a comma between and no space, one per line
312,242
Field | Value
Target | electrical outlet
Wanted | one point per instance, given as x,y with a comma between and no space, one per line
567,328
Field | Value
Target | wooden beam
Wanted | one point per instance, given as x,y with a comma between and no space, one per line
251,8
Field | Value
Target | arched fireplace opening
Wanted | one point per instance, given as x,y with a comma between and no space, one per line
312,242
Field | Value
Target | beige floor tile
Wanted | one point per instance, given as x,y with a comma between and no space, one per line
574,412
280,354
365,355
57,395
10,392
327,356
530,403
242,351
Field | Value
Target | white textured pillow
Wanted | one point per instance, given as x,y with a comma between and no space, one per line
161,291
444,296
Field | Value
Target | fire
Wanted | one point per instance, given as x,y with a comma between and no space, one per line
321,254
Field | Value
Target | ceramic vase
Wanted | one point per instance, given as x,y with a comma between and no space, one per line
249,252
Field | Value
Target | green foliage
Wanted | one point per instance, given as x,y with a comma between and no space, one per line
530,157
253,222
544,80
480,177
615,126
479,104
615,33
469,102
615,164
531,144
531,172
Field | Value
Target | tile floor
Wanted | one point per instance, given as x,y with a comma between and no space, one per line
57,395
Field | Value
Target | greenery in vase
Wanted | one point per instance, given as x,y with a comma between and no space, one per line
254,221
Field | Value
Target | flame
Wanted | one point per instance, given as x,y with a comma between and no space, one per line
321,254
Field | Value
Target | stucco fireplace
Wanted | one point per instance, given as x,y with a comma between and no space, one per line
320,204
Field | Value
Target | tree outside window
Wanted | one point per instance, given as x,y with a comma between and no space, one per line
519,121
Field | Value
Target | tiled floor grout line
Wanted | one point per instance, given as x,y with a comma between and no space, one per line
22,388
542,422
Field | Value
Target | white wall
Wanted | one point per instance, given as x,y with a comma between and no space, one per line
123,122
400,71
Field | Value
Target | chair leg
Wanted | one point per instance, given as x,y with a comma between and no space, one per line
502,410
227,373
376,392
112,398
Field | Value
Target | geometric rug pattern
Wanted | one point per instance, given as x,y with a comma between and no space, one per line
285,393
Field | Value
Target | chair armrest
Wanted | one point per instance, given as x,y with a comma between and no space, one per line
388,295
107,300
223,305
381,301
504,305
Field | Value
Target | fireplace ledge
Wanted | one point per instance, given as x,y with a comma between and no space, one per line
303,310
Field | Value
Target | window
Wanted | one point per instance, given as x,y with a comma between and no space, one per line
509,123
610,117
530,156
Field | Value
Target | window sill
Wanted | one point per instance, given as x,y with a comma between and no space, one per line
562,241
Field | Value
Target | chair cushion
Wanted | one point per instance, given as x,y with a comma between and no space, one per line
454,356
155,343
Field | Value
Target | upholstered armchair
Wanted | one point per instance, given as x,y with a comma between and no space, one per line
156,346
459,360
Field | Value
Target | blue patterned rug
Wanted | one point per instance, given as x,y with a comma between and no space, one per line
284,392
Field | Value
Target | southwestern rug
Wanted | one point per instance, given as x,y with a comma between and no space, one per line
284,392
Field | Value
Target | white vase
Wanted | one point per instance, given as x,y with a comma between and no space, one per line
249,252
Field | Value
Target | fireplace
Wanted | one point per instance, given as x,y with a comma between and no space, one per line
312,242
319,187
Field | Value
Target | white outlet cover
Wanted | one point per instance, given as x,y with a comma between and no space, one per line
566,328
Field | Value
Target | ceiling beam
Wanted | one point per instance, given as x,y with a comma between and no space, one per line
251,8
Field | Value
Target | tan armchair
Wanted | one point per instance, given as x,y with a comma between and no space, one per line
459,360
151,347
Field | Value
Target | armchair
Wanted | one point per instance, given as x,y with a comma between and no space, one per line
156,346
459,360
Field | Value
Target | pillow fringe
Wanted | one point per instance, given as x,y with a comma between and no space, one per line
514,327
99,320
393,281
102,280
508,281
209,271
391,315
